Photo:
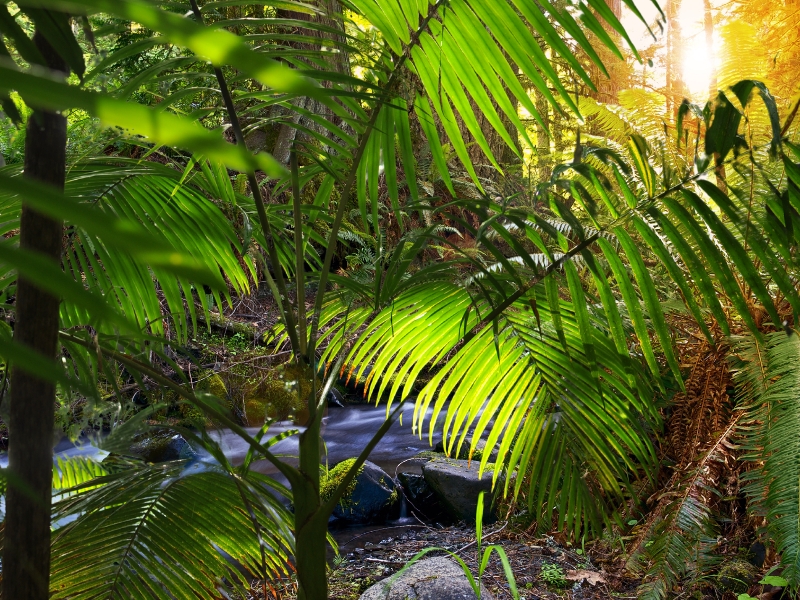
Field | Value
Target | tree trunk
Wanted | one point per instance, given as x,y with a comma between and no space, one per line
675,87
310,516
26,553
310,525
338,63
608,88
708,22
544,166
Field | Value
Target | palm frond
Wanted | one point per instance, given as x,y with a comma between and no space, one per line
171,215
528,382
156,532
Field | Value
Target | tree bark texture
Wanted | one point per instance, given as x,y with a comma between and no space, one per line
26,553
608,87
544,160
339,63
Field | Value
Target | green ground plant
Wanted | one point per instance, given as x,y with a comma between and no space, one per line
553,576
483,555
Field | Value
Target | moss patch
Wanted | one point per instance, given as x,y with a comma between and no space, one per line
276,393
736,576
208,382
331,480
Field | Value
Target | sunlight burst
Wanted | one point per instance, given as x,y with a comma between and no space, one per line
697,66
698,58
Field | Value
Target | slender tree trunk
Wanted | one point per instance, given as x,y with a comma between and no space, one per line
544,166
310,525
608,88
708,22
339,62
675,87
26,554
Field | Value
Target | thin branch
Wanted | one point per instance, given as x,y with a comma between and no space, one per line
472,543
280,282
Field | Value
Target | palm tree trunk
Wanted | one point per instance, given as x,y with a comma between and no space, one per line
311,525
26,552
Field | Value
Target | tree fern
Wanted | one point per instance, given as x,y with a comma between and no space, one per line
680,534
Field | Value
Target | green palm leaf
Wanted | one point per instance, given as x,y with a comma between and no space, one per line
155,532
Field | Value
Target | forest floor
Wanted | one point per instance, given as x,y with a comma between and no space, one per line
543,569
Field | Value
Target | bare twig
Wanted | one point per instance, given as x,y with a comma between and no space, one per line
472,543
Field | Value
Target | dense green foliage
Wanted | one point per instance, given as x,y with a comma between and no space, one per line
540,321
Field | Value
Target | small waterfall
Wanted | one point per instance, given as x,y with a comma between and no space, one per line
403,506
403,518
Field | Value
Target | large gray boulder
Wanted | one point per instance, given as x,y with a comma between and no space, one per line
371,498
429,579
457,485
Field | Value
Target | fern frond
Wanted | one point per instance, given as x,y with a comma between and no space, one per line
769,382
681,533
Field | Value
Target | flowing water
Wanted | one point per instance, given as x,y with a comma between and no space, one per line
346,431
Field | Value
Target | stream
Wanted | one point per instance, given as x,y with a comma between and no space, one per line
345,430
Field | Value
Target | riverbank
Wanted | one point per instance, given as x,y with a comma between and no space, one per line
543,569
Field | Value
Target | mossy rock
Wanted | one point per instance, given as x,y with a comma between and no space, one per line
368,499
427,455
736,576
161,446
463,453
212,383
279,395
208,382
331,480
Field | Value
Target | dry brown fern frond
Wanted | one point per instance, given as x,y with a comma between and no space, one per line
679,533
701,411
